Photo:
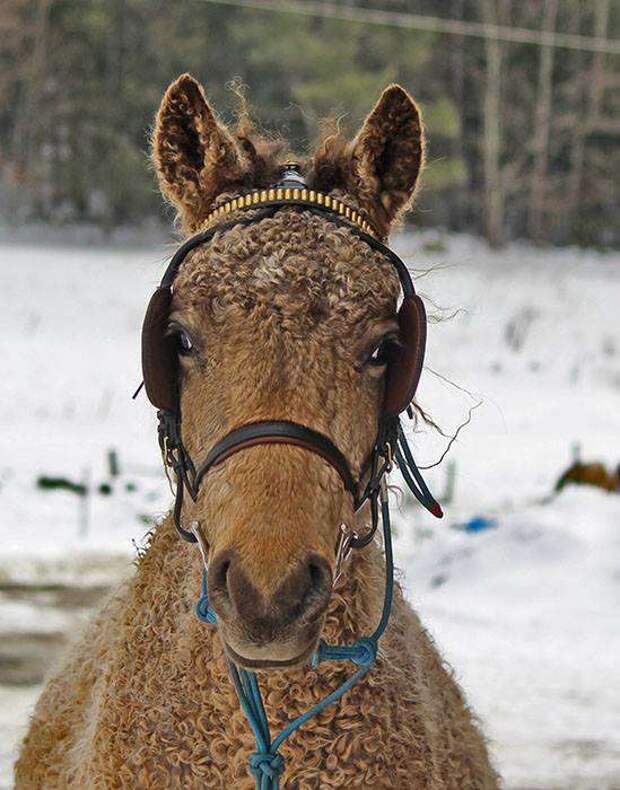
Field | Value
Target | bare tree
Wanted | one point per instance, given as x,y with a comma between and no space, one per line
25,129
587,117
542,126
493,187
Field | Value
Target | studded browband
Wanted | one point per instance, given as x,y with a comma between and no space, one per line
292,191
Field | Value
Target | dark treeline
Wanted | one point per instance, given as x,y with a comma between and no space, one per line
523,139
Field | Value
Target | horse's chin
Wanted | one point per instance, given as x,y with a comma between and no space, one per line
269,658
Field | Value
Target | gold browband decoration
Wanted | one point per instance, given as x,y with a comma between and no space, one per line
295,196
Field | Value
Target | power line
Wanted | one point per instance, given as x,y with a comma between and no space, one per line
375,16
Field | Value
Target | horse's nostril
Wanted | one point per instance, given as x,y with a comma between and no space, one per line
219,575
307,589
315,573
319,573
222,574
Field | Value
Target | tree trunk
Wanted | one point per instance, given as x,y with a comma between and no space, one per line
457,148
29,115
586,115
542,121
493,187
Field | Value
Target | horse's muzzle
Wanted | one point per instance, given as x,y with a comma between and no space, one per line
276,628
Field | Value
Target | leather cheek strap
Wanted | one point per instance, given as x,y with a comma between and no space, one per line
406,360
277,432
159,354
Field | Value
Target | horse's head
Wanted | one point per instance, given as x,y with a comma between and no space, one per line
289,318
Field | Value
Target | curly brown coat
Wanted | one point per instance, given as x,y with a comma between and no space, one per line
280,313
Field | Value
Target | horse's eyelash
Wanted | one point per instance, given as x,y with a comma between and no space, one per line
392,338
173,328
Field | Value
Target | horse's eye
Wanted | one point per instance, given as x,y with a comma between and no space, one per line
184,342
181,338
379,356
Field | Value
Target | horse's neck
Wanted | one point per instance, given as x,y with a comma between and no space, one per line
172,567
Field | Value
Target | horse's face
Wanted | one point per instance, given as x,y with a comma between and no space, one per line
285,319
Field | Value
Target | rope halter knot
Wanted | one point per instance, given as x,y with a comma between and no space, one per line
204,612
364,652
266,764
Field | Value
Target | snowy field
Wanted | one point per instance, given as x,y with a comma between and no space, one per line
526,611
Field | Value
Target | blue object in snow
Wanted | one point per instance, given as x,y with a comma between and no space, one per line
478,524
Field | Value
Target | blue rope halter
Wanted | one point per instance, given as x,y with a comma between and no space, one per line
266,763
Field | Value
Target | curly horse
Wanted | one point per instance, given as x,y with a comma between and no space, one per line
289,318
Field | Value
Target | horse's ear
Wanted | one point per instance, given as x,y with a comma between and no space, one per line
195,156
387,154
381,166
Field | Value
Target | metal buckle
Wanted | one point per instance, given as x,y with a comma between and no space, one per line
377,476
389,458
343,550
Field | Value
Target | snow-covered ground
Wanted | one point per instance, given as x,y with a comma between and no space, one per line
525,611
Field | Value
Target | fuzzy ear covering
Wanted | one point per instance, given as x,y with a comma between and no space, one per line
195,156
381,166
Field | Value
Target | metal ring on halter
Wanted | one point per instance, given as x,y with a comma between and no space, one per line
196,530
346,538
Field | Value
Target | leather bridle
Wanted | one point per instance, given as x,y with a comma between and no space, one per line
161,376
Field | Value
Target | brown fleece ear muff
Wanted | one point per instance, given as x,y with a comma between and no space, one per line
406,359
159,353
